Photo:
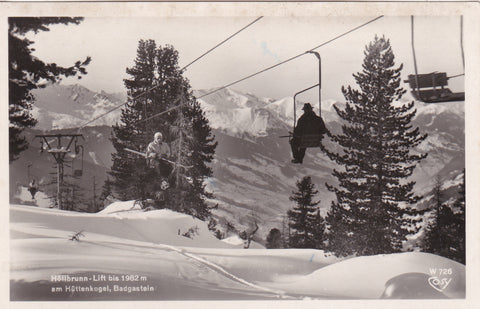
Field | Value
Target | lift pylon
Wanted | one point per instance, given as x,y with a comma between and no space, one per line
58,152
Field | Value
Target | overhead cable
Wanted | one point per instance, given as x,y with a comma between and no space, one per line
182,69
222,42
274,66
290,59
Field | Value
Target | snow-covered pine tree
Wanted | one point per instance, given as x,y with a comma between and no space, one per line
371,214
157,86
303,217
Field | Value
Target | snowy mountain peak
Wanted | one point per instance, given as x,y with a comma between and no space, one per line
66,106
238,113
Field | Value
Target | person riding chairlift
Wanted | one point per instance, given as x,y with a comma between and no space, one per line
309,123
157,150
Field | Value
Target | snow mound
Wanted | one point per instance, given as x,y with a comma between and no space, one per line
368,277
235,240
118,222
120,206
410,285
171,248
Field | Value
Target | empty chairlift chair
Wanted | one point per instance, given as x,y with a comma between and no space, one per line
431,88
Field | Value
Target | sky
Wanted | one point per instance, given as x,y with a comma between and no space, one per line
112,44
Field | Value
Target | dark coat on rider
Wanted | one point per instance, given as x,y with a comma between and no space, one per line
308,124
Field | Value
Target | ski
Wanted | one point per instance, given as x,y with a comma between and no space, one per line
166,160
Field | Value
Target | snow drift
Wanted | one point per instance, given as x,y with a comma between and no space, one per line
177,258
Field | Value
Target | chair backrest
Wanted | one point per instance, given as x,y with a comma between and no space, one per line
430,80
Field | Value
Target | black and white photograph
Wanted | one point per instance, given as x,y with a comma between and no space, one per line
239,152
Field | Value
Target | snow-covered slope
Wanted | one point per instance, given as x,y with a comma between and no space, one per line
127,254
123,220
358,277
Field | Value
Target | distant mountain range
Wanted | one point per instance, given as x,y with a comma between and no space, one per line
253,177
60,107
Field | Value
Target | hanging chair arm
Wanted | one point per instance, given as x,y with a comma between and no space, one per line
294,102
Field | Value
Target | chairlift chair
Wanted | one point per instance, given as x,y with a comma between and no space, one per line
78,171
431,87
306,140
310,141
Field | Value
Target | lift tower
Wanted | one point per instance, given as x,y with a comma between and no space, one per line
58,152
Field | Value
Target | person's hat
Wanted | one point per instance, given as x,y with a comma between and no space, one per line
307,107
158,134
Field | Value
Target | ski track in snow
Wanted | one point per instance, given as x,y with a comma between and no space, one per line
120,243
210,265
222,271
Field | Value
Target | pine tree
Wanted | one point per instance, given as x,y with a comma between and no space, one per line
194,145
26,73
156,87
130,175
459,207
371,214
445,232
285,231
433,234
274,239
303,217
319,231
212,227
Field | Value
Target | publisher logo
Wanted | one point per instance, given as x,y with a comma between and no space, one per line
440,278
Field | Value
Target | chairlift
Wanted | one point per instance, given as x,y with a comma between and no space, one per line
431,87
33,188
306,140
32,181
78,171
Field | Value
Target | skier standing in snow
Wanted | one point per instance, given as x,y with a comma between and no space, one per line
33,188
308,123
156,151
